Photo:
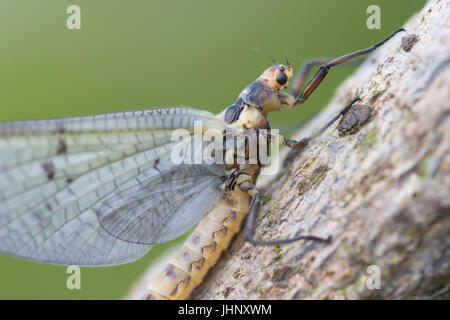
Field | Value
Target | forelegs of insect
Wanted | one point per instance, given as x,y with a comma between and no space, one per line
306,69
324,68
250,226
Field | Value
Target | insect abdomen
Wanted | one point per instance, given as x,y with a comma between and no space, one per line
202,249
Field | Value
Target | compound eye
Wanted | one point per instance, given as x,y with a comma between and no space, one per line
281,78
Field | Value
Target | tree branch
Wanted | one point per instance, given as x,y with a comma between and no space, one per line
382,192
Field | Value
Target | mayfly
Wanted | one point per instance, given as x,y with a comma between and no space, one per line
102,190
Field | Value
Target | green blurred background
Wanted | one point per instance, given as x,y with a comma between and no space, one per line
138,54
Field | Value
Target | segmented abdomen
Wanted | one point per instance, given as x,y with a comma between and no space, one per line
200,252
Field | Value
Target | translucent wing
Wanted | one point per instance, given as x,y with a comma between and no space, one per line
159,207
72,189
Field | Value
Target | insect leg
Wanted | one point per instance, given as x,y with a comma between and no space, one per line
300,145
250,226
306,69
297,147
324,68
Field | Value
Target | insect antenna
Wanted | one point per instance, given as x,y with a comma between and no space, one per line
265,54
287,61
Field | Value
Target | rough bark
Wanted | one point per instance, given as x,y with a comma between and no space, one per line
383,192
